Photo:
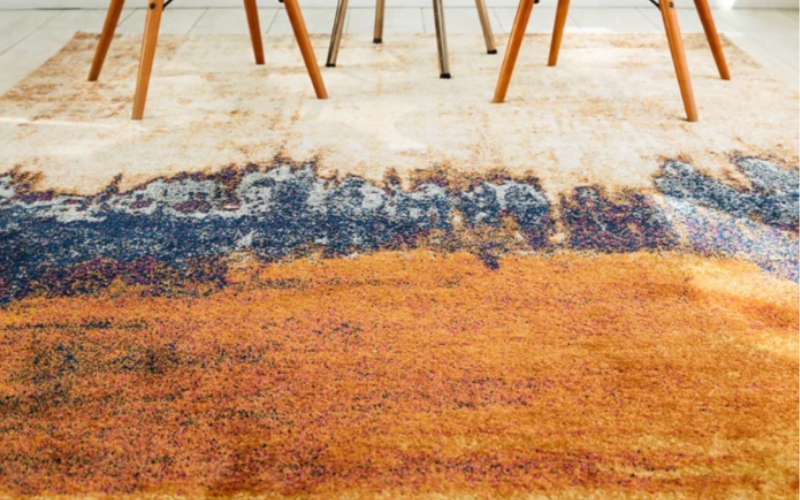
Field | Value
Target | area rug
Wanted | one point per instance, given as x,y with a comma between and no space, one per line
404,291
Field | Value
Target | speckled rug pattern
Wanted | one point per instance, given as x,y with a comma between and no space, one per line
405,290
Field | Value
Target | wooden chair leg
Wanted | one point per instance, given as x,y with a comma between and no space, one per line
251,9
112,19
336,36
301,34
713,37
486,27
380,10
679,57
558,31
441,39
512,49
149,42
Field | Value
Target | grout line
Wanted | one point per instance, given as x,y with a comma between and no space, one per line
23,38
124,17
205,11
275,11
60,14
272,21
497,27
757,41
424,24
763,56
641,11
199,19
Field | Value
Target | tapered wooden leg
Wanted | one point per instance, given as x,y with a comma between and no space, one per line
380,11
512,49
251,9
112,19
301,34
679,57
713,37
336,36
149,42
441,39
486,27
558,31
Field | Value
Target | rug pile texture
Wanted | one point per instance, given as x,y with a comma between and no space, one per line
404,290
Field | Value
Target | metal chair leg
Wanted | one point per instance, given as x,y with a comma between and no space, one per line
483,14
336,36
441,38
380,9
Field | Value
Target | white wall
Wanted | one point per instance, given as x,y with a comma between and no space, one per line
102,4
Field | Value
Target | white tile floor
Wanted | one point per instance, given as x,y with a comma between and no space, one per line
29,37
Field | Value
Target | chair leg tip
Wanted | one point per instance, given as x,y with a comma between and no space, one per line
445,76
377,40
493,51
330,65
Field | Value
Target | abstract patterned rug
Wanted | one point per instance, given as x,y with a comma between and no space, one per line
405,290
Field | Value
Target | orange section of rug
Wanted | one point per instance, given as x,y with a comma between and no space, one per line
412,374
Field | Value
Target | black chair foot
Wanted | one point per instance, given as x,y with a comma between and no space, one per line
330,65
445,75
493,51
377,40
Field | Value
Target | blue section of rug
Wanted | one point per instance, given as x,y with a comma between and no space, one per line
183,228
